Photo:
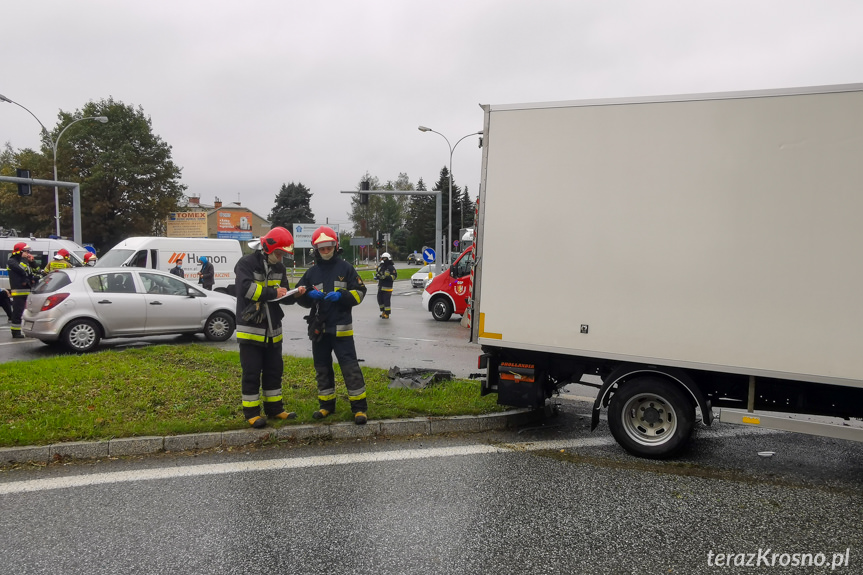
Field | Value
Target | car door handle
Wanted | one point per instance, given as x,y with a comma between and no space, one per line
105,301
155,303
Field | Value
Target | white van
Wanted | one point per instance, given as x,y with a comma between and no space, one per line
162,254
43,250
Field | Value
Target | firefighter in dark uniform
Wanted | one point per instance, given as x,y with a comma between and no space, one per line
21,281
385,274
261,278
333,288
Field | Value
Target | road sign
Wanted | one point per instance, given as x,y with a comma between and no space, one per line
455,243
428,255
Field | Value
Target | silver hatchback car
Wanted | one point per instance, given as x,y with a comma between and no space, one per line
80,306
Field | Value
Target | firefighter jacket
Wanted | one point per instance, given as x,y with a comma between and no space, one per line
257,281
21,277
57,265
386,274
334,275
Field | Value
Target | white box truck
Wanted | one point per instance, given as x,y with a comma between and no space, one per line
162,253
699,253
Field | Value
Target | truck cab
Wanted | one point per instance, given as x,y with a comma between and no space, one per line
450,291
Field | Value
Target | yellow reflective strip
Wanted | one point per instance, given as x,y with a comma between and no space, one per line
250,336
483,333
327,397
252,403
273,398
357,296
348,333
358,397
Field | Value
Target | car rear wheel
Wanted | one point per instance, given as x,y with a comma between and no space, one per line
441,309
219,326
81,335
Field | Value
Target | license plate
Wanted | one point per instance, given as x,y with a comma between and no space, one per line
28,325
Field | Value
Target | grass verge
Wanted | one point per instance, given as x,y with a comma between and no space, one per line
171,390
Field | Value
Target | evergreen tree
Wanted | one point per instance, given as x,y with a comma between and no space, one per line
293,206
421,220
453,216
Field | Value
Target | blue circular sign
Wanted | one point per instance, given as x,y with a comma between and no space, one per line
428,255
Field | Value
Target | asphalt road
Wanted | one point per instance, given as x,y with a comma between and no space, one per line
550,498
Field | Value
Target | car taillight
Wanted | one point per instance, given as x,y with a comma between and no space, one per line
53,300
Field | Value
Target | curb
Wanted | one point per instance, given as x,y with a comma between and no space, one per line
173,443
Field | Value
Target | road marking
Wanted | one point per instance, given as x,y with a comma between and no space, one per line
416,339
35,485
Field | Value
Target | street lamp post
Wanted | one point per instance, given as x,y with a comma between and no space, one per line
439,207
54,143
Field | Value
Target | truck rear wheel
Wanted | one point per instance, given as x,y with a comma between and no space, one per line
651,417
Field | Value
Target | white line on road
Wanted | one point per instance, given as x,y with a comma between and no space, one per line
34,485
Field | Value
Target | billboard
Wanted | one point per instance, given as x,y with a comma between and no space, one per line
235,225
187,225
303,233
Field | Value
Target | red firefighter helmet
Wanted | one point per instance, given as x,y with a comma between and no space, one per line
277,238
20,247
63,254
325,236
89,256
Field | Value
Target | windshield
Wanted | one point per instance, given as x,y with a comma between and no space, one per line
114,258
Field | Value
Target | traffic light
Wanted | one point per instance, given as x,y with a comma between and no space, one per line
23,189
364,198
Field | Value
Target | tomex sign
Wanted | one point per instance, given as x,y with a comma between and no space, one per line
303,233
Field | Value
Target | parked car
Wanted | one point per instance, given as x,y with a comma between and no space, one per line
78,307
421,277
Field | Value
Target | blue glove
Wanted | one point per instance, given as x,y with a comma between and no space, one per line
333,296
315,294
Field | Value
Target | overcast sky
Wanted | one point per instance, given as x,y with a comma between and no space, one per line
254,94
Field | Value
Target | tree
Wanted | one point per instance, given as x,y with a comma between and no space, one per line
293,206
421,220
467,207
454,215
28,215
128,181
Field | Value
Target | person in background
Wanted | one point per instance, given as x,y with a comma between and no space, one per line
21,281
177,270
208,273
60,261
332,289
385,274
261,278
90,259
6,303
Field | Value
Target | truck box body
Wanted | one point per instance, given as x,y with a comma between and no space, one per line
714,232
